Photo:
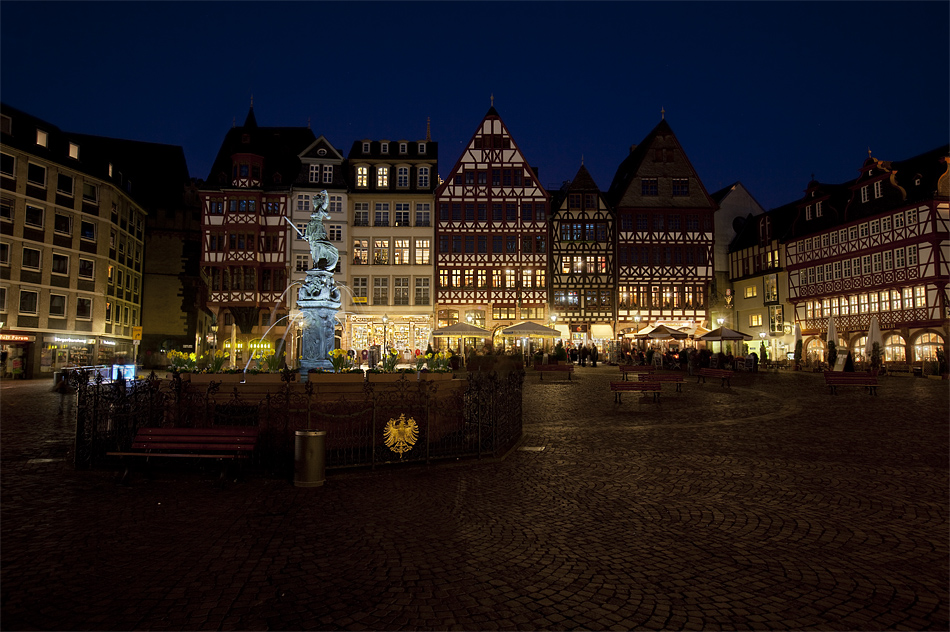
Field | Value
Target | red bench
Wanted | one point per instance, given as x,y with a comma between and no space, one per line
636,368
677,378
638,387
557,368
834,379
723,374
221,443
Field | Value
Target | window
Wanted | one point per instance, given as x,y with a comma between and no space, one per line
380,291
889,260
90,192
64,184
886,224
401,291
649,187
361,214
818,209
864,194
360,252
402,214
360,290
422,251
876,262
57,305
899,261
314,173
4,253
899,220
3,299
680,186
36,175
382,214
401,254
808,213
422,148
402,178
301,263
365,148
335,232
336,204
7,165
875,227
327,174
422,291
28,301
878,189
381,252
63,224
362,175
751,291
84,309
42,138
74,151
60,264
422,214
423,176
31,258
911,255
86,269
384,148
382,177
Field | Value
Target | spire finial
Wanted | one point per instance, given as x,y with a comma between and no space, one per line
869,152
582,160
662,113
493,99
233,122
252,101
428,128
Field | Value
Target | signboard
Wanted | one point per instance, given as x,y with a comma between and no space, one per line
360,299
714,362
16,338
839,362
136,333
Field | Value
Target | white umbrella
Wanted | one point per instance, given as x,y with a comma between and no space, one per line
832,332
724,333
530,330
874,335
662,332
694,331
463,330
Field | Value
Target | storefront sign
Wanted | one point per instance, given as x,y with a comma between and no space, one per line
16,338
81,341
103,341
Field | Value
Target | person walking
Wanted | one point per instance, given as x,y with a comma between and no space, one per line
593,356
583,354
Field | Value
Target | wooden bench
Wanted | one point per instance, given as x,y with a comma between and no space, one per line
220,443
557,368
834,379
723,374
639,387
636,368
676,378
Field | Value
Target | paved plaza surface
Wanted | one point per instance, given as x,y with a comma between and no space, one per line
768,505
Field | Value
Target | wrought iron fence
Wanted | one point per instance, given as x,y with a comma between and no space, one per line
367,423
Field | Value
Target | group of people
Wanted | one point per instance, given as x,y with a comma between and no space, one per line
583,353
688,359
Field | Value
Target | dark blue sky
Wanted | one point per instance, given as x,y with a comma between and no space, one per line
765,93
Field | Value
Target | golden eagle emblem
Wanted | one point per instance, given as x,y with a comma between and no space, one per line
401,434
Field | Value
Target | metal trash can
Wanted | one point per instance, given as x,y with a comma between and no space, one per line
310,451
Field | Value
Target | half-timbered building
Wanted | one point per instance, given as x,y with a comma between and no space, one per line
491,234
245,210
583,276
876,245
664,244
390,266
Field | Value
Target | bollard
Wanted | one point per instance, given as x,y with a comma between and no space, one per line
310,458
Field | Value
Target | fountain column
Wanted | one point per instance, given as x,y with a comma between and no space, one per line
319,298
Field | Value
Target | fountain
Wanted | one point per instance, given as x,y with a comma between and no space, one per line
319,298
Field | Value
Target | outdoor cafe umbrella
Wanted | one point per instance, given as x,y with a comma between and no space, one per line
662,332
530,330
832,332
874,335
695,331
724,333
461,330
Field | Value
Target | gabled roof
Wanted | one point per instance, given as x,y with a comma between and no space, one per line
278,146
624,190
583,181
747,228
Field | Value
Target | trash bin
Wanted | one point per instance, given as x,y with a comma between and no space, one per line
310,448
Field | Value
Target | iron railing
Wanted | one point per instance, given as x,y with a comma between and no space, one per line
368,423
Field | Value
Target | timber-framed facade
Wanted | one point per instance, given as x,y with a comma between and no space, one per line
491,234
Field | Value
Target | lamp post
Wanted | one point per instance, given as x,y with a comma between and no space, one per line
553,318
385,327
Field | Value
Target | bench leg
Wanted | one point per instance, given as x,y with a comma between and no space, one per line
569,375
678,387
617,397
832,390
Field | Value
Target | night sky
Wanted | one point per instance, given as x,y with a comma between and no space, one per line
764,93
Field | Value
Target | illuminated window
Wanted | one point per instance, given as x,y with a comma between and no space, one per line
41,138
381,252
751,291
382,177
362,176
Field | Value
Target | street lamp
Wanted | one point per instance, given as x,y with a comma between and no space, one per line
720,321
385,325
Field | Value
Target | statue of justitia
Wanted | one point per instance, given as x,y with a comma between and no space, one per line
325,255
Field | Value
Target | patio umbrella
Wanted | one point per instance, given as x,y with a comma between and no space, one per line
530,330
694,332
662,332
724,333
874,335
832,332
463,330
644,333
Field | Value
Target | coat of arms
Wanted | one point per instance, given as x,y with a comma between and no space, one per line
401,434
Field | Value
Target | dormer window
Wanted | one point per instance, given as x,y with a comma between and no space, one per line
864,194
422,148
808,213
382,177
74,151
878,189
321,152
403,148
41,138
365,148
384,148
818,209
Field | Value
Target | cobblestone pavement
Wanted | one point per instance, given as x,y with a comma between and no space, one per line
768,505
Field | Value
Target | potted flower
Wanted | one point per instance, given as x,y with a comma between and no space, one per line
182,362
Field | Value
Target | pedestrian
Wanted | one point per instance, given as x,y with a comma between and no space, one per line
583,355
593,356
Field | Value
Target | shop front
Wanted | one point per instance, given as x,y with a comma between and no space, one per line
61,351
16,349
115,351
405,334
